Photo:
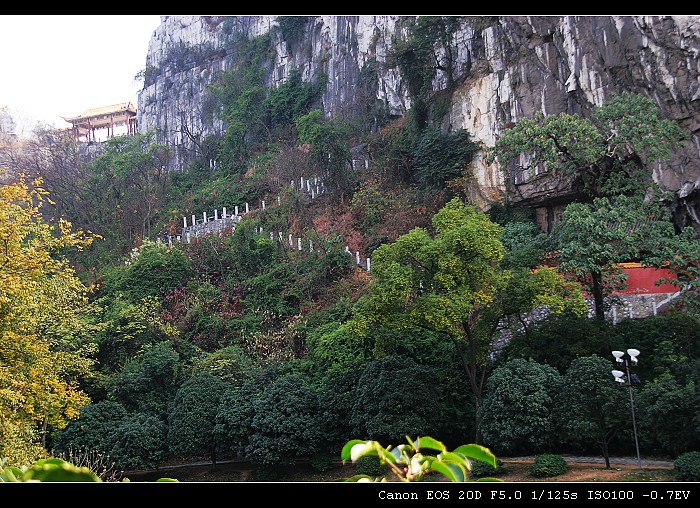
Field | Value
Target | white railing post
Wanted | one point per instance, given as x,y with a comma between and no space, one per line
184,219
224,212
298,243
246,208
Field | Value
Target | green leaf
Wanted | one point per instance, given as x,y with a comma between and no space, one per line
456,458
167,480
385,454
57,470
10,474
477,452
489,479
345,453
429,443
361,449
450,471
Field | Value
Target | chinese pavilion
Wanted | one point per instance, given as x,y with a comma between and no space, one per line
107,117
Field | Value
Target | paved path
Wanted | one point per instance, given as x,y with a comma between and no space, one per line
601,460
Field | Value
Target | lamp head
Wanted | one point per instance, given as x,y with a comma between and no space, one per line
618,356
618,374
634,353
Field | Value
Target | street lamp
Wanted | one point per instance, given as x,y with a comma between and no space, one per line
619,377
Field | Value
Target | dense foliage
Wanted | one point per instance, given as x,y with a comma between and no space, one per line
240,345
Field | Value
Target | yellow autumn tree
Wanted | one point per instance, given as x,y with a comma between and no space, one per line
43,323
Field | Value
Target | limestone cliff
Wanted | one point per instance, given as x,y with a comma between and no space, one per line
499,70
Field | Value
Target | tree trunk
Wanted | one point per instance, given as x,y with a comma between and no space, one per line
597,282
606,453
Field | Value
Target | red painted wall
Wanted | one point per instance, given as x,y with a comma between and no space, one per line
641,280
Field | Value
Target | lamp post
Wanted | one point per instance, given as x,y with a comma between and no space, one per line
619,377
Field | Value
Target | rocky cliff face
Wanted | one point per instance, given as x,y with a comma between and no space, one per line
502,69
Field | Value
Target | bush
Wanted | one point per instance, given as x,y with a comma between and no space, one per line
138,443
322,462
192,416
687,467
519,407
286,425
370,465
384,410
547,465
481,469
89,432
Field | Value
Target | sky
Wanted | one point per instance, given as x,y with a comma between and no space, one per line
54,66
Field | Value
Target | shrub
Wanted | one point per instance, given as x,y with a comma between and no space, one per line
371,466
192,416
518,410
287,423
547,465
138,443
384,410
89,432
687,467
481,469
322,462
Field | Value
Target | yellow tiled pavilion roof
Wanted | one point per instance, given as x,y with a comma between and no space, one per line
121,107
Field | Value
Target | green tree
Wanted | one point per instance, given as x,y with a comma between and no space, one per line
387,405
290,100
242,93
664,409
441,157
89,432
129,183
151,270
329,149
147,383
138,442
595,237
336,398
519,412
231,364
192,417
287,424
626,135
449,283
128,329
593,406
559,339
234,416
